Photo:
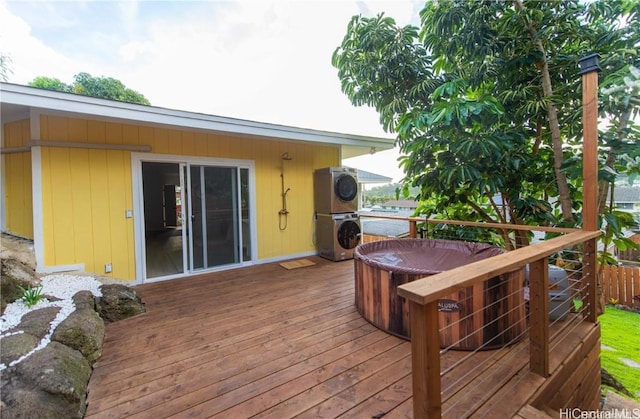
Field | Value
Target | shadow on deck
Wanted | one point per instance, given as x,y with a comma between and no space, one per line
264,341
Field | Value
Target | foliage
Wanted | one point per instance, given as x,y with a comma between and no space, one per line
88,85
620,330
51,83
485,99
614,223
577,304
621,96
106,87
31,296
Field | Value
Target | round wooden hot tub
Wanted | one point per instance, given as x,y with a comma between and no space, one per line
488,315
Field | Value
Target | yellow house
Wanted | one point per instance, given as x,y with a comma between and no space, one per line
144,193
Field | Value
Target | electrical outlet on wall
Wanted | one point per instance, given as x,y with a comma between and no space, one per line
108,268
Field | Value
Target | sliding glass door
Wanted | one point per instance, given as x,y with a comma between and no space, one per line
206,209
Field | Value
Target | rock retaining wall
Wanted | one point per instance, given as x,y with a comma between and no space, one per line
48,379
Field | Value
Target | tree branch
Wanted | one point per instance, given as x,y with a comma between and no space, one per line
552,114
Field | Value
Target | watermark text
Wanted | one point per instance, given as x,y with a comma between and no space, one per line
600,414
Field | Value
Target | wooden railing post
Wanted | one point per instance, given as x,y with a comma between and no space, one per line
539,317
413,229
589,69
590,278
425,360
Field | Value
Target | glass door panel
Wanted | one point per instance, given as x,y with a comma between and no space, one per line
162,197
216,231
221,215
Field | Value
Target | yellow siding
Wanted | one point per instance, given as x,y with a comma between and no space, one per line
188,143
86,192
81,187
17,182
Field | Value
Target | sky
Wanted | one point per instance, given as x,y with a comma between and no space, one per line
266,61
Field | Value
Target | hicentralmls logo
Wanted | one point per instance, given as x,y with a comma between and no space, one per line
600,414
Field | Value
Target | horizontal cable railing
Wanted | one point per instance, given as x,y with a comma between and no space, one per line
541,291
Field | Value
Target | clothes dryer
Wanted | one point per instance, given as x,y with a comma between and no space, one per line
337,235
335,190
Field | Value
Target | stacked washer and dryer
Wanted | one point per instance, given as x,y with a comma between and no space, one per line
336,205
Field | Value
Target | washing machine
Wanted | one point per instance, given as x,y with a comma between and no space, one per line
337,235
335,190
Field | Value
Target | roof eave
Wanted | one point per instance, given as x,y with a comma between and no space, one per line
66,103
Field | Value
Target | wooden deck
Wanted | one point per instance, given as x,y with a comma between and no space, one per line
265,341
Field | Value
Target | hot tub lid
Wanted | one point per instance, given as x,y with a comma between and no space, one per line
423,256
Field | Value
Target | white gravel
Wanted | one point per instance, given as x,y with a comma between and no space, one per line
63,287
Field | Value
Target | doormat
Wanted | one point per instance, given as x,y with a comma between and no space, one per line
300,263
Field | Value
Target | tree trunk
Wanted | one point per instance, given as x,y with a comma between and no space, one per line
603,185
554,125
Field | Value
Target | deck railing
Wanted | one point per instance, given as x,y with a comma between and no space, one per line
424,294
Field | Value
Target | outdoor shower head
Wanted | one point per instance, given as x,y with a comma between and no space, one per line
286,156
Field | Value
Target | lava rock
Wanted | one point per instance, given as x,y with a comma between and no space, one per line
38,322
83,331
13,275
83,300
118,302
50,383
17,345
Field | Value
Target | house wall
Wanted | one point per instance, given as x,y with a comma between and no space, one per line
85,192
17,180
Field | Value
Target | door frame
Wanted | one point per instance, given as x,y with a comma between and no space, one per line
138,209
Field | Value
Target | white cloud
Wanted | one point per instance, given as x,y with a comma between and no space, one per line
30,57
264,61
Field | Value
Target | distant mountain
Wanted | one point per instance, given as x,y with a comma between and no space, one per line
388,191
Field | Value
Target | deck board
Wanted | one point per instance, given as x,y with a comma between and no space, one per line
268,342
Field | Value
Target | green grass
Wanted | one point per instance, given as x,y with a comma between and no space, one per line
621,332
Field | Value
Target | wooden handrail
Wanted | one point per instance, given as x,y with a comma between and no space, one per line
437,286
521,227
391,217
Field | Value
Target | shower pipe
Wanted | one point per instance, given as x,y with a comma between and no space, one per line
283,213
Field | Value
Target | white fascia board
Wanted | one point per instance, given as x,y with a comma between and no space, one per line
50,101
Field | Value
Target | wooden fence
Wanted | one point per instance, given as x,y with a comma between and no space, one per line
621,283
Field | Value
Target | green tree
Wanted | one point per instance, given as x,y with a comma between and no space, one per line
88,85
485,99
50,83
106,87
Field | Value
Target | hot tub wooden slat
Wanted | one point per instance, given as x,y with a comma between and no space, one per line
399,321
382,309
